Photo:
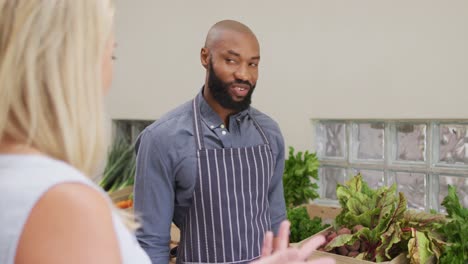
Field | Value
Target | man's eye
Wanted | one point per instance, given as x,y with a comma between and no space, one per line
230,61
255,65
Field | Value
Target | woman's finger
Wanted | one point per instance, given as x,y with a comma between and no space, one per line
267,247
310,246
282,240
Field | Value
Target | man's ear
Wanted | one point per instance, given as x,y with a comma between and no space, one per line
205,57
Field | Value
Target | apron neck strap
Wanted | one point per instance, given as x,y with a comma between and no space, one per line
197,125
198,128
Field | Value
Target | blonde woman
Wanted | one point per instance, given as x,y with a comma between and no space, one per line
55,67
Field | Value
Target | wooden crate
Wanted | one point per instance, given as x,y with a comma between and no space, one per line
400,259
175,234
175,238
328,213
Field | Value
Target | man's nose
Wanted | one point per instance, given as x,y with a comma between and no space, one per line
242,73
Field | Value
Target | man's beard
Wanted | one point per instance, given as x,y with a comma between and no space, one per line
219,91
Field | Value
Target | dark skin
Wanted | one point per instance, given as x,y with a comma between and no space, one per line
235,54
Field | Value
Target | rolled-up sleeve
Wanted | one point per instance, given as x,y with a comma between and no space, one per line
153,197
276,194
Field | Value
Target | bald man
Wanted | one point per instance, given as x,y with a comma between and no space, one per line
214,165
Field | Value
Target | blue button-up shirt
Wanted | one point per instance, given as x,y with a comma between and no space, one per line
167,168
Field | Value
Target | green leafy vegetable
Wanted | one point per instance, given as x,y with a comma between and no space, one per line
418,224
419,248
298,170
302,226
387,228
120,168
456,230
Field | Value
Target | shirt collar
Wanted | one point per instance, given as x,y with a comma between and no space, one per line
210,117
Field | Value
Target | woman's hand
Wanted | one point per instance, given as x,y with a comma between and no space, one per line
281,254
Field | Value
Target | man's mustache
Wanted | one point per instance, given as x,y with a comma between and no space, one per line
241,82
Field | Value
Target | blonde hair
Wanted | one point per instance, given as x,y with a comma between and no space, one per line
51,88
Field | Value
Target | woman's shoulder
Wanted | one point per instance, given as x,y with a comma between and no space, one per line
78,220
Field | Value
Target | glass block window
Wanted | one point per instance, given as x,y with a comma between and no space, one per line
411,142
453,141
334,135
368,141
413,185
129,129
330,176
374,178
421,157
460,182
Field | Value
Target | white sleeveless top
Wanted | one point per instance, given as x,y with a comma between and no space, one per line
24,179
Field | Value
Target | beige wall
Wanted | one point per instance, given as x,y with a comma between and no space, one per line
366,59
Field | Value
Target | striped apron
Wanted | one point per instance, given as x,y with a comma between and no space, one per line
229,214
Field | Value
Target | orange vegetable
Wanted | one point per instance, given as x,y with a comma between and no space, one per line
125,204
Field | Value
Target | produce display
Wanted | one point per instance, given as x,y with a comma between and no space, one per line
375,225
